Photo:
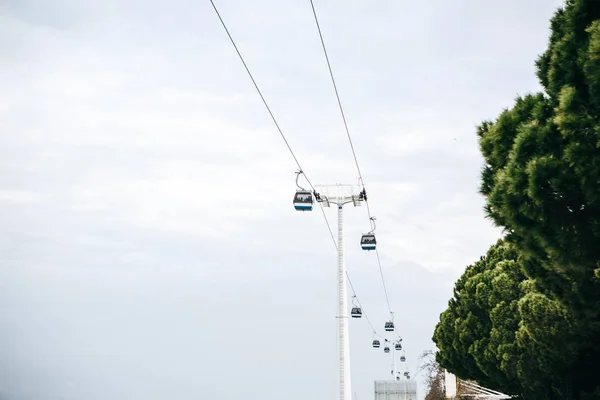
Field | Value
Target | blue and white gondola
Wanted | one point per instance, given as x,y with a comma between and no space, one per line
368,241
303,200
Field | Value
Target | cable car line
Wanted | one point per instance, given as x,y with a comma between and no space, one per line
270,113
258,90
387,299
328,226
368,241
339,101
362,312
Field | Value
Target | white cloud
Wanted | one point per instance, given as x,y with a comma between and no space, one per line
19,196
147,220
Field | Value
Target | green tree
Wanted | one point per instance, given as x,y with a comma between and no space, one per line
541,181
500,331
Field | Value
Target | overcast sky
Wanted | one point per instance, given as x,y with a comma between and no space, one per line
148,244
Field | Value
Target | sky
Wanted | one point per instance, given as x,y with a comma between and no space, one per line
149,248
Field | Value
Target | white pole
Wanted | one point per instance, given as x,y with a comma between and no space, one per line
345,384
394,370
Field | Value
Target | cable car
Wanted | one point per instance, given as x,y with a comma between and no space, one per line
402,359
398,346
356,312
376,343
303,200
406,374
368,242
389,326
386,349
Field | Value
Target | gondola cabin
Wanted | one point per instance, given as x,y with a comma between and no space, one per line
398,346
376,344
303,200
386,349
402,359
368,242
356,312
389,326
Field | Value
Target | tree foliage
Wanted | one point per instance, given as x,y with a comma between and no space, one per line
525,319
501,332
542,173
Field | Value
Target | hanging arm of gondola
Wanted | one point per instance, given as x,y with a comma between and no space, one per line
373,226
298,173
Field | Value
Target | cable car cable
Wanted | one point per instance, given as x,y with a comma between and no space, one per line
350,141
364,314
270,113
288,145
339,101
337,95
383,281
258,90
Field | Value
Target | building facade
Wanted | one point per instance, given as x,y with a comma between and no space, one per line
403,389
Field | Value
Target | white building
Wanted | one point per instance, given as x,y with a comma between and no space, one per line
403,389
